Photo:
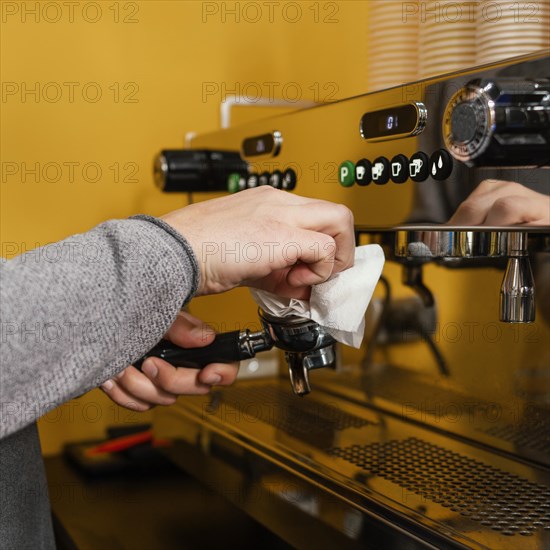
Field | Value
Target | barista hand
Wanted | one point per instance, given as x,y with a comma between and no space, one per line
268,239
261,237
160,383
496,202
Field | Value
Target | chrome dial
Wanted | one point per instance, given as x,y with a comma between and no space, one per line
468,123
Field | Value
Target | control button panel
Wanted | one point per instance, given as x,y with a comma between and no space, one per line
280,180
399,169
419,167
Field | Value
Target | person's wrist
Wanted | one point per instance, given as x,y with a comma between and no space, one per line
172,219
173,230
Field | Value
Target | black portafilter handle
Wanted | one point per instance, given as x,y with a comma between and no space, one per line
226,348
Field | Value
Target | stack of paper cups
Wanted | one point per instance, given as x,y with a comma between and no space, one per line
508,29
393,45
447,37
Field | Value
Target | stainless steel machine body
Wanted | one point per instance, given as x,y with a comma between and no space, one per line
436,434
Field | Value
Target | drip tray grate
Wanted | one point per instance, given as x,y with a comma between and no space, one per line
495,498
535,437
289,413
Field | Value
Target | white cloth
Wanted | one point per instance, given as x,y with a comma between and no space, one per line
339,304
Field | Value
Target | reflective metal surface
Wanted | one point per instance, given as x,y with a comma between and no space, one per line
436,490
306,344
436,434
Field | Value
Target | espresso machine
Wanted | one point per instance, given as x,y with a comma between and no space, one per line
436,433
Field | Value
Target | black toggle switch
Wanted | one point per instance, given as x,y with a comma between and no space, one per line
187,170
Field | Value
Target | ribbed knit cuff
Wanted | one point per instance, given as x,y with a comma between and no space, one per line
186,247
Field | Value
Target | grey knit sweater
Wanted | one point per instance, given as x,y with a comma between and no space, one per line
72,315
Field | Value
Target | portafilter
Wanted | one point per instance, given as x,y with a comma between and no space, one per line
307,345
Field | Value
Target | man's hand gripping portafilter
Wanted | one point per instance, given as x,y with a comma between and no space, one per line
306,344
306,330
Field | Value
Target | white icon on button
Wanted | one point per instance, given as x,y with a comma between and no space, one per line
377,171
343,173
360,172
415,167
396,169
438,165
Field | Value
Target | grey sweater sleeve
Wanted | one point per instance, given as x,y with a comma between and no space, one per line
76,312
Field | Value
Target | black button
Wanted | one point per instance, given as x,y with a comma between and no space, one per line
380,170
276,179
264,178
363,172
441,165
289,179
252,181
399,169
419,166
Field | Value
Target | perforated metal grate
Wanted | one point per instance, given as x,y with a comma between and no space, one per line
535,437
498,499
292,414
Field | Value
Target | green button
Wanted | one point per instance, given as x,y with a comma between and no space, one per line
233,183
346,173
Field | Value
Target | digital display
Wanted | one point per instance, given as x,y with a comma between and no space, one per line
389,123
402,120
266,144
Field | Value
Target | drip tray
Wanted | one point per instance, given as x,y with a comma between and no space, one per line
495,498
416,478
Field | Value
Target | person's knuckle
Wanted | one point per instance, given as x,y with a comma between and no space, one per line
264,189
344,213
169,384
504,205
469,208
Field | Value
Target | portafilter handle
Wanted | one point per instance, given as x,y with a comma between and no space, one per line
226,347
306,345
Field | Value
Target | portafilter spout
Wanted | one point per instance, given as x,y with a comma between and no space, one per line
306,344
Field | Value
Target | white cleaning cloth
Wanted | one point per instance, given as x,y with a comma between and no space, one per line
339,304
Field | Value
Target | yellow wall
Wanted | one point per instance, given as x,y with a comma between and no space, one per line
152,67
